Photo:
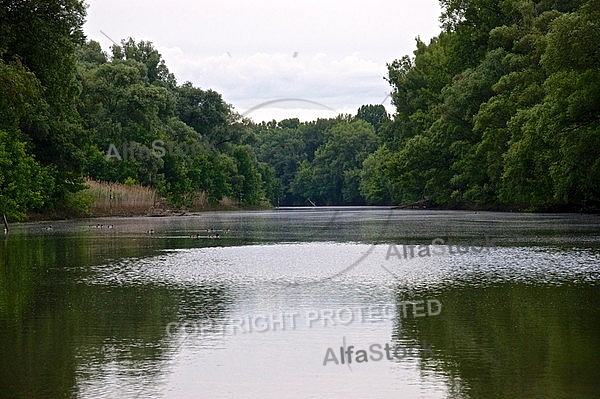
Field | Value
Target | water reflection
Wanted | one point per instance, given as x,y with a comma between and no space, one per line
84,310
518,340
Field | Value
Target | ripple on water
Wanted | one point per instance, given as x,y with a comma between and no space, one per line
348,264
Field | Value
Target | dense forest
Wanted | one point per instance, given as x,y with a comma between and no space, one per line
500,111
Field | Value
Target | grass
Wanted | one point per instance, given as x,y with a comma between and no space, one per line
116,199
101,199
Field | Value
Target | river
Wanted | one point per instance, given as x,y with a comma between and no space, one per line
303,303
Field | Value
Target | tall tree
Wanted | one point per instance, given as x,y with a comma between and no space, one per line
43,36
376,115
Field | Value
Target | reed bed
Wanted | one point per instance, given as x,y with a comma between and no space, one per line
120,199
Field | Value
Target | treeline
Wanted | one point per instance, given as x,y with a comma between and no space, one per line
131,103
320,162
64,103
500,111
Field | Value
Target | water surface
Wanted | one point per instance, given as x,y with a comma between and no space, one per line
88,311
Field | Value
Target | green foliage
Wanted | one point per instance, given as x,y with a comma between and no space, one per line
79,203
145,53
272,187
376,115
500,110
133,98
43,37
249,185
335,169
130,181
375,182
24,184
283,149
206,113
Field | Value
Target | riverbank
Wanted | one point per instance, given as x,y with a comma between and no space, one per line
105,199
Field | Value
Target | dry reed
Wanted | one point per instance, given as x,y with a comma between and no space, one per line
120,199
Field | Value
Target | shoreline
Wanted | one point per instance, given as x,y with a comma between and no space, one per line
161,213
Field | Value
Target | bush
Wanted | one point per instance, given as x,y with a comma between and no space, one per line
80,203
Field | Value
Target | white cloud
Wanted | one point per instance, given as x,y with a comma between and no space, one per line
343,46
251,80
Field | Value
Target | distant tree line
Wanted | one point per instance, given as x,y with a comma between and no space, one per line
500,111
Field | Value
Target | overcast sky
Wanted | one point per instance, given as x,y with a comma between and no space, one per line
244,49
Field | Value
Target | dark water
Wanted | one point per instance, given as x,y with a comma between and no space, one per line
98,312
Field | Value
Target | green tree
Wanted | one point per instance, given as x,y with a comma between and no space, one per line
207,114
145,53
336,167
376,115
24,184
249,187
283,150
499,110
44,37
375,182
272,187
